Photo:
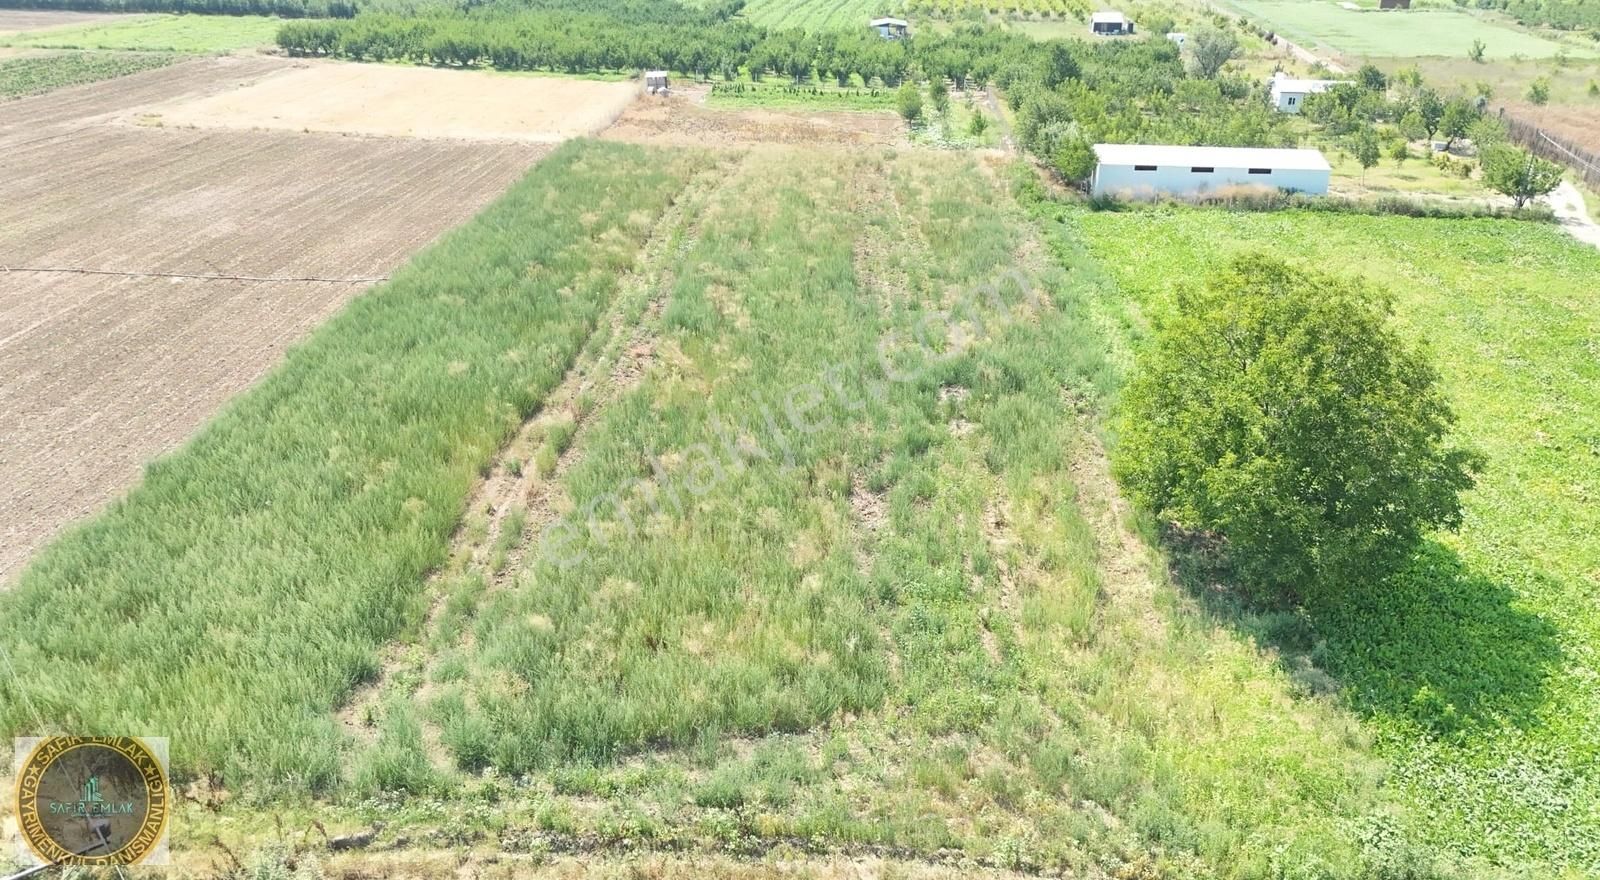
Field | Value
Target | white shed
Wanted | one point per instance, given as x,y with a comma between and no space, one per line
1289,94
655,81
1148,170
890,28
1178,37
1110,23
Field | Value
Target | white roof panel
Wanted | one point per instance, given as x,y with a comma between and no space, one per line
1214,157
1107,16
879,22
1285,84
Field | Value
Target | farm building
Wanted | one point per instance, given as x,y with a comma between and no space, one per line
1394,4
1178,37
1289,94
1110,24
890,28
655,81
1148,170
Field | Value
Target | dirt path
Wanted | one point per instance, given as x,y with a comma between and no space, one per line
1574,215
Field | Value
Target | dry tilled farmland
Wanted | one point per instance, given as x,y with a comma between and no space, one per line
166,235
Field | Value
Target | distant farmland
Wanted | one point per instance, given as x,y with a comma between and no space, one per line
1394,33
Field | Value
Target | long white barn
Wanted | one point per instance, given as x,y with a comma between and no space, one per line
1149,170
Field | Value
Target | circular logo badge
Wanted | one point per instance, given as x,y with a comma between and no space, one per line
92,800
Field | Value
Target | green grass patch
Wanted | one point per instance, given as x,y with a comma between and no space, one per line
1400,34
1472,668
239,593
37,74
197,34
816,15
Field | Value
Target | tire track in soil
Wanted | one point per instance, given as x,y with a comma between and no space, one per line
871,261
611,363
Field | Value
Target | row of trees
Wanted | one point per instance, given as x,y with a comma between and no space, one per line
688,43
1563,14
1068,97
280,8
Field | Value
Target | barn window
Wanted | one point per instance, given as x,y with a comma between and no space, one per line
1144,167
1202,169
1292,100
1261,171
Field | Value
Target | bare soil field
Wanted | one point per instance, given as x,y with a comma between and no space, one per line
681,120
410,102
1575,123
99,373
13,21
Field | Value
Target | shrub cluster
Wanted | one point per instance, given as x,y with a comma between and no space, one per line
1259,199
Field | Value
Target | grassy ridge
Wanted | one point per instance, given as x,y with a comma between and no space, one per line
233,598
1474,668
20,77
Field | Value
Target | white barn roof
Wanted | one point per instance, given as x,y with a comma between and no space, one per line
1306,86
1213,157
1108,17
892,22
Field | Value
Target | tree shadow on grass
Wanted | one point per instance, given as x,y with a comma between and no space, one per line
1437,645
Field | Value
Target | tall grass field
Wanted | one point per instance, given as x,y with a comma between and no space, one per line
240,592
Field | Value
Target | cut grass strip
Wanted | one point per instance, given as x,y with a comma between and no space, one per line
234,598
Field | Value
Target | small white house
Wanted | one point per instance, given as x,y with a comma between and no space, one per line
1289,94
1147,170
1110,24
655,82
890,28
1178,37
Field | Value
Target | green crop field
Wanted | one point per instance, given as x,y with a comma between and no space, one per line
1402,34
159,33
816,15
36,74
1474,669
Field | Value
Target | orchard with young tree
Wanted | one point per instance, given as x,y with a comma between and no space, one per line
1279,411
1519,174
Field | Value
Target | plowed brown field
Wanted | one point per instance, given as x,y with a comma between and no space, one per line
100,373
17,20
680,120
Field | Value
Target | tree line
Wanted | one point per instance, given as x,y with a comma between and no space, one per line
280,8
693,42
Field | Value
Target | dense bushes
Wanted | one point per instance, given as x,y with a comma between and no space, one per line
1279,410
1563,14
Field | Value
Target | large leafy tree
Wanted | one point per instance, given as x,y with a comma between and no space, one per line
1518,173
1213,47
1278,410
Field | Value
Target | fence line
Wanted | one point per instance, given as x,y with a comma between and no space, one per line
1582,162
